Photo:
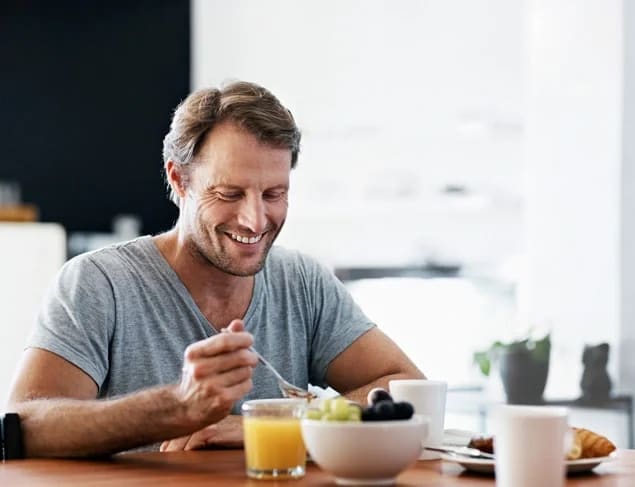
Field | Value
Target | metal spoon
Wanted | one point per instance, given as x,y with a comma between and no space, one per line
287,389
463,451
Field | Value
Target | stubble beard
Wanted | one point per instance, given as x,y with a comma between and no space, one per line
214,253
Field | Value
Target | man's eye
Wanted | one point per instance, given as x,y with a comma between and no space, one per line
273,196
229,196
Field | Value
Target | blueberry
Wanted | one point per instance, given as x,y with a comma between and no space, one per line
368,414
385,409
403,410
378,394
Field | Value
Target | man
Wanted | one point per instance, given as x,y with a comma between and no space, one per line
126,350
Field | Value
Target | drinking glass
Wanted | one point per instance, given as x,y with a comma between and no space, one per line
274,448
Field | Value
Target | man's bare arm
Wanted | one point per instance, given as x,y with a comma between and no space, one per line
61,417
370,361
77,427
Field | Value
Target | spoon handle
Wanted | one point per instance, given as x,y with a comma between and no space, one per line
462,451
264,362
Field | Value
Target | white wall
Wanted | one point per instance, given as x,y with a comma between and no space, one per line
573,170
30,255
395,100
627,221
519,100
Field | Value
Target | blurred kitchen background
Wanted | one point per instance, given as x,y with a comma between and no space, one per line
467,165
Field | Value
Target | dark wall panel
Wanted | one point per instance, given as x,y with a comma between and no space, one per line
86,92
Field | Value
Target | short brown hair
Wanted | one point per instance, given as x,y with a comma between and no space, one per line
249,105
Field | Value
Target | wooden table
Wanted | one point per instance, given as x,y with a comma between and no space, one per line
227,467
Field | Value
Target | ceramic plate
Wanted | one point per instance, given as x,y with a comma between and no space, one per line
487,466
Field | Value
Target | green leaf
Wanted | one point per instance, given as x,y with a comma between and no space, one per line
542,348
483,361
539,350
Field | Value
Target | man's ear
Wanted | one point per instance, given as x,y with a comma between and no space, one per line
176,178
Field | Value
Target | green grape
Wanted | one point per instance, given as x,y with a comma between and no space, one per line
335,409
339,409
313,414
354,413
325,406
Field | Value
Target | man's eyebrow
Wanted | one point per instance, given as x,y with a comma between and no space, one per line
233,187
216,187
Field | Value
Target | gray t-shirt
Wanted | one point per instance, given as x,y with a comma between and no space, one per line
123,316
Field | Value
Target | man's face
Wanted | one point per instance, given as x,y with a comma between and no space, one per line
236,200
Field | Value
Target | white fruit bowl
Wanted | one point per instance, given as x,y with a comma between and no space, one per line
364,453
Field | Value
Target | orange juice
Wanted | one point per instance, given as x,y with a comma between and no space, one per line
274,444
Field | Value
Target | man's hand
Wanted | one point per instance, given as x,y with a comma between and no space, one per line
190,442
227,433
216,373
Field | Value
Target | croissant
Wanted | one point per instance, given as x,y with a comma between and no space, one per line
586,444
589,444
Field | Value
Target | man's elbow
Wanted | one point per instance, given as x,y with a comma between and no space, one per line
411,374
406,373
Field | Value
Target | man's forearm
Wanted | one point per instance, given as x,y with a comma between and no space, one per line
71,427
360,394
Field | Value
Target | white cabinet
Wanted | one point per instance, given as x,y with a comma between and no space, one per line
30,255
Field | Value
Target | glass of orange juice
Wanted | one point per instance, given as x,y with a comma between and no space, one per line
274,448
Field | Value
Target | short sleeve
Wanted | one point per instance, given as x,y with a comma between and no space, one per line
77,318
338,322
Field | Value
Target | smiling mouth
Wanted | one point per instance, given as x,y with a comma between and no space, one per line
246,240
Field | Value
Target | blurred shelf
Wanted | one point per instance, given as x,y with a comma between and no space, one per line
19,213
425,271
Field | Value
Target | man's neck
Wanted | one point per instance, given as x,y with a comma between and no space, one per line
213,290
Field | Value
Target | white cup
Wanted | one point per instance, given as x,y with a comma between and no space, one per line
530,446
428,399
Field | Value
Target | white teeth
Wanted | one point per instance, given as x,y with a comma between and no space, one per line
249,240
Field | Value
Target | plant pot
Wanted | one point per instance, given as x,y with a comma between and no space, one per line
524,376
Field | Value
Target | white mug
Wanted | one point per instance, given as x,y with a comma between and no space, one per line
428,399
530,446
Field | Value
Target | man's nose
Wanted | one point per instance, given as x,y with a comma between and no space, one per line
251,215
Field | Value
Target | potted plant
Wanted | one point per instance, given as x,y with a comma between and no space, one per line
523,366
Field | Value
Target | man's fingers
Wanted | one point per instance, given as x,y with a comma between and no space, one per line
230,377
239,389
217,372
190,442
176,444
236,326
218,344
205,367
201,438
